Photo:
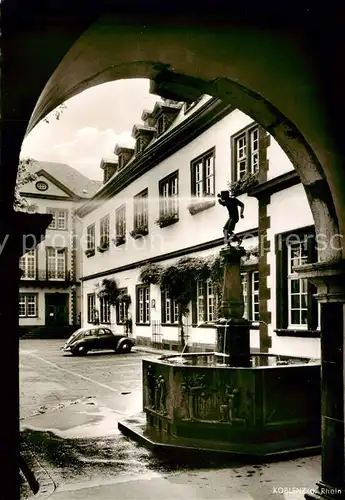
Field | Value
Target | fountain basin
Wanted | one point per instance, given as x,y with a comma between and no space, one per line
200,403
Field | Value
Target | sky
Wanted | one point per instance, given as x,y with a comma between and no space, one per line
91,126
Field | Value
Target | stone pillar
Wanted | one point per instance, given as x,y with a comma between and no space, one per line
330,281
9,436
233,336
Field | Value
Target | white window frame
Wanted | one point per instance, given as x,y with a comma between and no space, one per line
249,279
28,264
255,295
24,300
91,236
104,229
143,306
104,311
59,215
169,195
292,276
91,306
56,263
205,301
170,309
246,147
120,220
141,210
203,175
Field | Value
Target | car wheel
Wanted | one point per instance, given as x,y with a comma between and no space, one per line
125,347
81,350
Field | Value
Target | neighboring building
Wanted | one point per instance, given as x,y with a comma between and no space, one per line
49,300
184,155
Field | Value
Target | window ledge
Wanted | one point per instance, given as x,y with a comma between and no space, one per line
170,324
167,221
143,324
199,206
288,332
119,240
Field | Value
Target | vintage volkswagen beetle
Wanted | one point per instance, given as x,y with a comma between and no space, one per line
96,338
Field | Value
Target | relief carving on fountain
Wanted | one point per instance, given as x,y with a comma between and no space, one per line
193,389
157,391
220,403
236,405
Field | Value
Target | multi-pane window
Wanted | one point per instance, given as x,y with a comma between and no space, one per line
120,221
168,191
104,307
28,305
250,285
297,308
141,210
202,170
169,309
56,263
297,287
27,263
205,301
91,237
91,306
121,308
143,304
104,232
59,220
246,152
255,296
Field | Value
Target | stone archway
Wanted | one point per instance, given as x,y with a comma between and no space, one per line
269,75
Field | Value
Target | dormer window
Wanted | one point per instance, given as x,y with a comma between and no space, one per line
124,155
143,134
139,145
109,168
164,114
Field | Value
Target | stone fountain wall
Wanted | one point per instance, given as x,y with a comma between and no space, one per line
240,408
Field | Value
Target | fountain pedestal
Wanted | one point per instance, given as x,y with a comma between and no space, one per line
233,335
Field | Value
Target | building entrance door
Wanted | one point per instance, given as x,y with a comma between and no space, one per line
56,309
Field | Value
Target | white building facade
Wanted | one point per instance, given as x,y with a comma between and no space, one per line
50,292
159,204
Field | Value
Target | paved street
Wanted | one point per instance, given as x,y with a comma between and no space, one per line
49,378
70,407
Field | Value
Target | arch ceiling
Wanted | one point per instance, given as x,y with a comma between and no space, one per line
269,74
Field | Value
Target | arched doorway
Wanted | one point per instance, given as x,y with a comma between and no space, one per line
268,75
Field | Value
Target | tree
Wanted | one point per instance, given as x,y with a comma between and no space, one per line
179,281
24,176
109,292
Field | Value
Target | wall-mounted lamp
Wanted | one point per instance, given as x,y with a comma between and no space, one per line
153,304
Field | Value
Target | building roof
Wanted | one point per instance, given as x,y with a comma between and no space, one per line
71,178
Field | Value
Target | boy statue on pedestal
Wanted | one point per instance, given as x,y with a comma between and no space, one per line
232,204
